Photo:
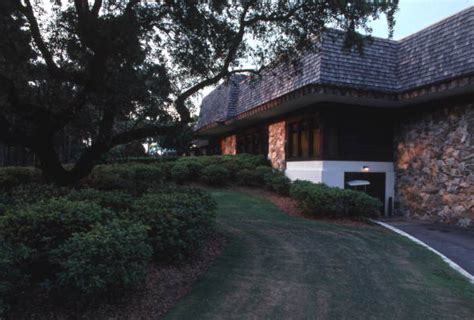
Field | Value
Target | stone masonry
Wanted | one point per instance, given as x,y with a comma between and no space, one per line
435,165
276,144
229,145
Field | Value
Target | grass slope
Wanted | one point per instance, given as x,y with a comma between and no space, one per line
281,267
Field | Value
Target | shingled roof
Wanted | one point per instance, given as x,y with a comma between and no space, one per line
440,52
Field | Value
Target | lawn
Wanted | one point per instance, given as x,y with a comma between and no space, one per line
281,267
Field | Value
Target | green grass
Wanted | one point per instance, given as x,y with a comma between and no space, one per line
280,267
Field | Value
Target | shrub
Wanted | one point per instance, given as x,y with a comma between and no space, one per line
14,176
46,225
247,160
178,221
144,173
114,200
248,177
181,173
103,259
195,169
35,192
265,173
360,204
280,184
135,178
215,175
234,167
111,177
12,277
319,199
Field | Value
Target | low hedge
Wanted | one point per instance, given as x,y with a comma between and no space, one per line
90,243
116,201
179,221
11,177
134,178
13,277
103,260
319,199
216,175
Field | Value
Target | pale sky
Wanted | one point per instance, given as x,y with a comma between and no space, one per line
413,15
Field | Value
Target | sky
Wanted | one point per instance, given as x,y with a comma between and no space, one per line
413,15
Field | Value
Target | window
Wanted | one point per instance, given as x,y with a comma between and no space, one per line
304,139
253,141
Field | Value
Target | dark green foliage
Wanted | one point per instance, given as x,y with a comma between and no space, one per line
45,225
105,259
12,276
115,200
11,177
216,175
179,221
280,184
180,172
34,192
319,199
134,178
265,173
249,177
246,160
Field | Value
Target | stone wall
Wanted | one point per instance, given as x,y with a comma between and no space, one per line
276,144
435,165
229,145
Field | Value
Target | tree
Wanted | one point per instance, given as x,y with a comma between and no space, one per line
116,71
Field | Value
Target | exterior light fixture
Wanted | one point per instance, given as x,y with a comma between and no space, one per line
365,169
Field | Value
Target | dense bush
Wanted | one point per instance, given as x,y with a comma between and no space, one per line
115,200
44,226
265,173
14,176
134,178
181,173
111,177
35,192
216,175
102,260
248,177
280,183
319,199
12,277
179,221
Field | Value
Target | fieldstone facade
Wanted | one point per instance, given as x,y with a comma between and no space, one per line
435,165
229,145
276,144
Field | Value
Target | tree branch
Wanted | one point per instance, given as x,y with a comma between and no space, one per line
180,101
96,7
130,5
141,133
38,39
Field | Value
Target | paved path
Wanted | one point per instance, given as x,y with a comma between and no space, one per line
275,266
455,243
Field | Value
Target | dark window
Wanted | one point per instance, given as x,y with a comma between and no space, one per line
304,139
253,141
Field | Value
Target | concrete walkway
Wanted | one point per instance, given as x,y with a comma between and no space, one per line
455,243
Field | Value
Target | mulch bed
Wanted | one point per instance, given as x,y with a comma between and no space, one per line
290,207
164,286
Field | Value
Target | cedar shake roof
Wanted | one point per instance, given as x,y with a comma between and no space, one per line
440,52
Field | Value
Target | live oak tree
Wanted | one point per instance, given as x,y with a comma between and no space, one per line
115,71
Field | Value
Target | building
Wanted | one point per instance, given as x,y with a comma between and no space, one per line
400,116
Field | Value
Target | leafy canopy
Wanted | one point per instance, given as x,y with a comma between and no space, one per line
110,72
